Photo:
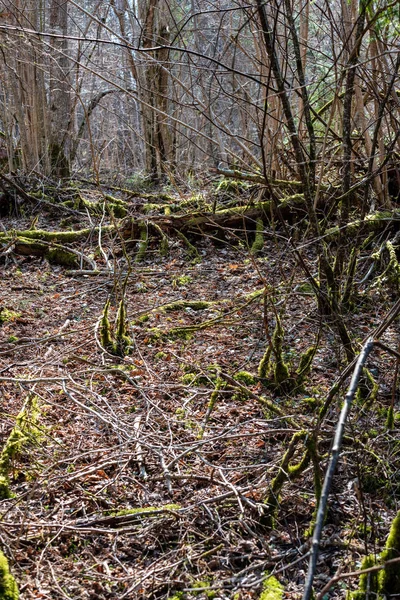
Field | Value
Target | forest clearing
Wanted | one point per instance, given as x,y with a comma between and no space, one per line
199,300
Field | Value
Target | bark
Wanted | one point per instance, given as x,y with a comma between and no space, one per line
60,91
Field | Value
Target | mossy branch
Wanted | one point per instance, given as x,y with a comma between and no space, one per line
25,432
285,471
117,342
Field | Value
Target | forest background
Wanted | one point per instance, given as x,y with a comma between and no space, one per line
199,245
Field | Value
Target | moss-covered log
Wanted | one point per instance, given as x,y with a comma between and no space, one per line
372,223
54,253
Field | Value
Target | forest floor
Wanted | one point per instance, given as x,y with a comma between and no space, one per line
128,481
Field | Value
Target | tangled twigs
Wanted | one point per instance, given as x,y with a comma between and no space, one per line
337,443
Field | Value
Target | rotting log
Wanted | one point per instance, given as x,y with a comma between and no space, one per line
51,244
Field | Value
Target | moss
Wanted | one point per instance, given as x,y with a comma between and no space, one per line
258,243
389,578
143,243
305,364
198,585
285,469
8,586
368,583
384,583
265,363
118,344
155,333
196,379
367,388
182,304
25,433
183,280
164,246
145,509
12,338
105,330
311,403
122,341
143,319
281,371
245,377
160,356
116,206
8,315
192,250
60,256
57,236
5,491
272,589
390,418
182,333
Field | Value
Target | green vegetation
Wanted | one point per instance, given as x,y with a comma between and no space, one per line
272,589
148,510
386,582
117,343
245,377
258,243
7,315
8,586
25,433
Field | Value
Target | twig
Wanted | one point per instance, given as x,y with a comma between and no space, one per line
337,443
352,574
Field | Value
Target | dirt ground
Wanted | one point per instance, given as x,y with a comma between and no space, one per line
147,475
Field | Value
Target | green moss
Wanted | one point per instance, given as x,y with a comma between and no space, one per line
12,338
245,377
384,583
390,418
164,246
143,319
155,333
281,371
143,243
60,256
8,586
160,356
265,364
25,433
285,469
198,585
183,333
116,206
258,243
8,315
122,340
192,250
389,578
368,583
146,509
118,343
182,304
183,280
367,388
105,330
311,403
195,379
272,589
305,364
